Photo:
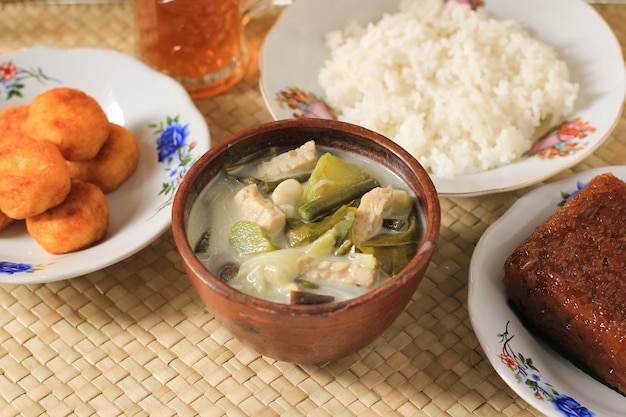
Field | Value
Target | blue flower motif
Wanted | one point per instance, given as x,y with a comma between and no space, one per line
174,149
526,373
570,407
11,268
568,196
172,139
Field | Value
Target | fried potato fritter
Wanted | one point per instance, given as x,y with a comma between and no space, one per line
5,221
114,164
34,177
13,123
71,119
81,220
59,155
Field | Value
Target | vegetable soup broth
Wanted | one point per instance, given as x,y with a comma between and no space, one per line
215,212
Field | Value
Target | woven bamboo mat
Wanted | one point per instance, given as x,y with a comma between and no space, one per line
134,339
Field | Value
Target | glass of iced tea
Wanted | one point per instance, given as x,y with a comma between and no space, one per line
200,43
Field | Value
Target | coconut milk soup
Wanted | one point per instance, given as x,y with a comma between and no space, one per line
238,235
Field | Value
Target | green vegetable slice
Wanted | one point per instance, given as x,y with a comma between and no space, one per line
326,203
307,298
248,238
268,186
394,250
234,160
401,203
334,239
302,233
331,174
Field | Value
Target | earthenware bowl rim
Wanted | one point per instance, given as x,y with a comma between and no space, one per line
428,196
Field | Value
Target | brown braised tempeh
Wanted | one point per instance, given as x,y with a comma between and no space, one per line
568,279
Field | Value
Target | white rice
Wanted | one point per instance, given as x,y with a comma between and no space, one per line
461,91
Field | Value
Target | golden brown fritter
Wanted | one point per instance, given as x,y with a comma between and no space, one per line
34,177
81,220
71,119
114,164
5,221
13,123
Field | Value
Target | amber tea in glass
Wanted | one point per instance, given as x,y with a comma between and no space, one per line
200,43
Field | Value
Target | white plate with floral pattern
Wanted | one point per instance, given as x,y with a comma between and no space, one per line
294,52
533,369
171,133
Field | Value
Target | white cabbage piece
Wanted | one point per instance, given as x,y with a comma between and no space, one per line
269,275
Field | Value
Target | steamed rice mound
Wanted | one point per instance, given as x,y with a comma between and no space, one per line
461,91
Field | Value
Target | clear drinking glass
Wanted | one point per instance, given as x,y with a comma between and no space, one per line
200,43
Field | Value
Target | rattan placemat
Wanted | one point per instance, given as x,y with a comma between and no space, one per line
134,339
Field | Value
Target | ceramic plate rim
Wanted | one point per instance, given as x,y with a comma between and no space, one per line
518,175
124,86
489,311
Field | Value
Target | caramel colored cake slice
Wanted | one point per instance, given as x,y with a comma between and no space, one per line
568,279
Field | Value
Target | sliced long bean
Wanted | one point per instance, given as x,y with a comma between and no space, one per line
304,298
328,202
268,186
233,160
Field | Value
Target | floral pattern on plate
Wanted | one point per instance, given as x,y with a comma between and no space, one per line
563,140
489,309
174,150
11,268
179,135
603,78
526,373
560,141
304,104
12,79
567,196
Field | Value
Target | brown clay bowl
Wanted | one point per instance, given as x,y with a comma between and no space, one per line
307,334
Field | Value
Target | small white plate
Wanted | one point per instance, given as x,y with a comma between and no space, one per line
151,106
492,316
294,52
